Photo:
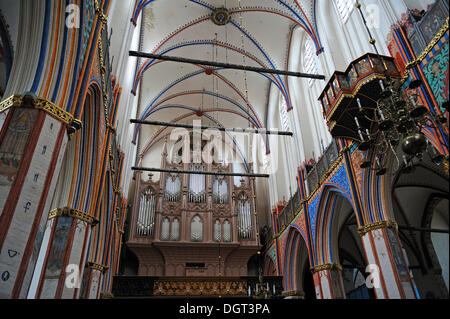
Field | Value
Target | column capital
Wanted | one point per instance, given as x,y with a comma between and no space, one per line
382,224
294,293
74,213
326,267
31,101
95,266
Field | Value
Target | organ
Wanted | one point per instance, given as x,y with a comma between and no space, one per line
183,220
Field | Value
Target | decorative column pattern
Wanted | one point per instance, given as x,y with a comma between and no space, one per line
383,248
64,253
328,281
92,277
33,139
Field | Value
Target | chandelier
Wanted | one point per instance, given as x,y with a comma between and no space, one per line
397,125
398,122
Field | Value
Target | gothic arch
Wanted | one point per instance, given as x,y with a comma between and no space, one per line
269,266
296,262
81,160
416,198
328,223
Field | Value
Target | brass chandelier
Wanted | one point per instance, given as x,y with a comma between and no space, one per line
399,119
398,123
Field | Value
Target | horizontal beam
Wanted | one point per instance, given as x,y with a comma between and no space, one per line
202,127
176,171
424,230
224,65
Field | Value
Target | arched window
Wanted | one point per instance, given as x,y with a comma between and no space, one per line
165,229
310,59
226,231
197,229
175,234
217,231
345,8
284,117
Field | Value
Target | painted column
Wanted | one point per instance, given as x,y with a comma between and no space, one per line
328,281
33,138
391,278
92,278
63,254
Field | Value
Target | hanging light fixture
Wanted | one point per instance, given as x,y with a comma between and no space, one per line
397,123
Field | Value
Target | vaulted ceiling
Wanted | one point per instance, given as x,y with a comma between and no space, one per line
257,34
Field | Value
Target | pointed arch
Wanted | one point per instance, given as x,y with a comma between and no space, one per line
327,225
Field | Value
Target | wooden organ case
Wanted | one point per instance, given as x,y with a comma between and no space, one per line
193,225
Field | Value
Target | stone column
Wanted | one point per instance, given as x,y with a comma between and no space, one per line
391,275
328,281
33,138
92,278
63,254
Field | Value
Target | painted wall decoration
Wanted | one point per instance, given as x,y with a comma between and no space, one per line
436,71
312,209
14,144
397,254
57,252
340,179
6,54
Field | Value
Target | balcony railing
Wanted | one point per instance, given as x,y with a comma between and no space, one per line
425,27
314,175
316,172
147,287
289,211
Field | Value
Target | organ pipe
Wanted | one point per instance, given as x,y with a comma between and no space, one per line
146,214
244,218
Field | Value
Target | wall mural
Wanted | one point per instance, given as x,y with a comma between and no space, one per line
14,143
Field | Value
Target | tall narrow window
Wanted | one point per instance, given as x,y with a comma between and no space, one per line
284,117
165,229
197,229
345,8
310,59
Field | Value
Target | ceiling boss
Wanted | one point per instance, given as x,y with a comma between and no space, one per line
221,16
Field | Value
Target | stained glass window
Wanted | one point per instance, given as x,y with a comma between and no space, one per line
310,59
345,8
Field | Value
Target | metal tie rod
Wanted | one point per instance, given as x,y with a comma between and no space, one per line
161,170
241,130
224,65
424,230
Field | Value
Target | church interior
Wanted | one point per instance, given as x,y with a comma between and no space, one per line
268,149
